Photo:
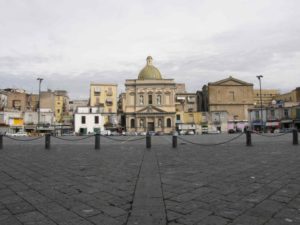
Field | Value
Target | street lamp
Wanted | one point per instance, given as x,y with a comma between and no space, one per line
261,106
39,104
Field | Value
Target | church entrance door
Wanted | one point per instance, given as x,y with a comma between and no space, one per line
151,126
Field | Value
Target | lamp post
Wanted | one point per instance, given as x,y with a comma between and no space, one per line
39,104
261,106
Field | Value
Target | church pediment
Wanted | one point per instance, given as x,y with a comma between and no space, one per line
230,81
151,109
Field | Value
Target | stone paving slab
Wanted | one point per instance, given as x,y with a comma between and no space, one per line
125,183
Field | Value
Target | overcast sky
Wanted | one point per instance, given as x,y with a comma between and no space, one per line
70,43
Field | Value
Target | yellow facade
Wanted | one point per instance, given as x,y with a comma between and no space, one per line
192,117
105,96
61,105
59,101
267,95
292,96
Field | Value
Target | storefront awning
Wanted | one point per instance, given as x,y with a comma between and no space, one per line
286,121
272,124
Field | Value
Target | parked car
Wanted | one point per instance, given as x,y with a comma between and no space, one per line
18,134
159,133
190,132
143,133
182,132
213,132
115,133
105,132
204,130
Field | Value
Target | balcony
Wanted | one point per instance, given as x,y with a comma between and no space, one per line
109,102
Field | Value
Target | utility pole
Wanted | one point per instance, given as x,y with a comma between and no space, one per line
39,104
261,106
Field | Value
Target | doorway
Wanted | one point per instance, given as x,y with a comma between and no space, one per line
150,126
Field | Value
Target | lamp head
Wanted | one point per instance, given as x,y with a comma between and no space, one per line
259,76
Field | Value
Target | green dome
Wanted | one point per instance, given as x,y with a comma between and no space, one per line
149,72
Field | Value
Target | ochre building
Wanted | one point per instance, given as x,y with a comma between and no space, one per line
232,96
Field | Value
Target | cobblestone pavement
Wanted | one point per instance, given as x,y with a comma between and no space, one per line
125,183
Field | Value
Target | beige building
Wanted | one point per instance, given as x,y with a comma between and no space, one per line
105,96
292,96
149,101
232,96
47,100
17,99
267,95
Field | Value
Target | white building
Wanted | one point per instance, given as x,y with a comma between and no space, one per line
88,120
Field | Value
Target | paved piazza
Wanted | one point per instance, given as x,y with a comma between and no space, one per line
125,183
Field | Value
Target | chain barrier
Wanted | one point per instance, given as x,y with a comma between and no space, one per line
17,139
120,140
272,135
215,144
77,139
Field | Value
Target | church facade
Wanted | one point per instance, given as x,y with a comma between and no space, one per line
148,103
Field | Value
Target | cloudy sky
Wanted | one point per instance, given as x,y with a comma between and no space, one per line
70,43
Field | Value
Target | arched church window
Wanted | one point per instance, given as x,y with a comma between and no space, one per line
169,122
132,123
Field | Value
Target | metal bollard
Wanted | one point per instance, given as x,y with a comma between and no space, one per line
97,141
1,141
295,137
148,141
174,141
47,141
248,138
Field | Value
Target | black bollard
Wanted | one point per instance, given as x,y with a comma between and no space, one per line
47,141
248,138
97,141
174,141
1,141
295,137
148,141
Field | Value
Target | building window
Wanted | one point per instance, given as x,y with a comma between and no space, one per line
159,123
158,99
142,123
132,122
150,99
109,92
286,113
257,115
96,119
58,111
83,120
178,117
141,99
272,113
168,122
97,101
